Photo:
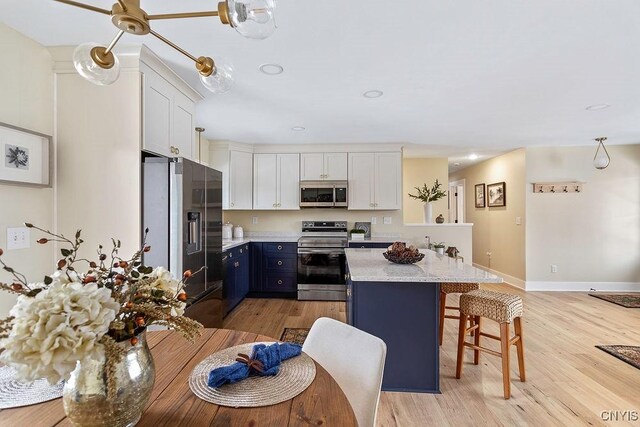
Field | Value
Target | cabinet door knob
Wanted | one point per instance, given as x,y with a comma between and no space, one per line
274,205
279,247
177,151
240,250
232,204
279,262
279,281
237,264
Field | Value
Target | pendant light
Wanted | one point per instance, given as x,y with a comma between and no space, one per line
601,160
253,19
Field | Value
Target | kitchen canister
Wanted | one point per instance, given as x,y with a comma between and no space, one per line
227,231
238,232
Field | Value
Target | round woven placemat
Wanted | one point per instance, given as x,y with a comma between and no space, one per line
296,374
14,393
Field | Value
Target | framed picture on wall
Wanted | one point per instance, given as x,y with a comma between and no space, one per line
497,194
480,202
25,156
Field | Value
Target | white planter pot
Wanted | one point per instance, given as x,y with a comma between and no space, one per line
428,213
440,251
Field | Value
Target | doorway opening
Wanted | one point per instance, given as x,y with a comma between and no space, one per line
456,201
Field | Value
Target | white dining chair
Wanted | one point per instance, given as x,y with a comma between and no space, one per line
355,359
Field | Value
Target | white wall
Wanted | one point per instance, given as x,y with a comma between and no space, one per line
26,101
593,236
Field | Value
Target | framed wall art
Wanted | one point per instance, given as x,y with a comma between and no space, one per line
25,156
497,194
480,197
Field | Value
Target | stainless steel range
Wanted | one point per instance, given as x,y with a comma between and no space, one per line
321,261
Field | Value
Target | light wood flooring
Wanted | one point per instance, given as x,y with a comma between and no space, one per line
569,381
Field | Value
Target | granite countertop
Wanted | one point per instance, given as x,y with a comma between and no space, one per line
368,265
378,239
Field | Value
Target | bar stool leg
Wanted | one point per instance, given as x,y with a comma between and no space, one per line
504,347
476,340
517,326
443,303
461,336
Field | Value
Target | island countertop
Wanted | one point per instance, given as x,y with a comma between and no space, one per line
368,265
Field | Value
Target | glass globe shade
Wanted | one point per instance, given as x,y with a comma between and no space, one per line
221,80
90,70
253,19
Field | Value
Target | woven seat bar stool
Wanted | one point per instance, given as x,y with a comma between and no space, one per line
451,288
501,308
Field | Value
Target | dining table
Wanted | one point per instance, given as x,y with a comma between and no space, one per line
172,403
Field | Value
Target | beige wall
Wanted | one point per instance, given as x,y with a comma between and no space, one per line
495,229
415,173
26,100
592,236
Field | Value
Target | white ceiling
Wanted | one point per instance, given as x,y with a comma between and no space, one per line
458,76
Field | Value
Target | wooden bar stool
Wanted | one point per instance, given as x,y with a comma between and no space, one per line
452,288
502,308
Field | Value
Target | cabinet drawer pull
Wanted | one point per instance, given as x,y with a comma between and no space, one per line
363,247
231,255
177,151
279,262
279,281
279,247
232,204
349,292
241,250
237,264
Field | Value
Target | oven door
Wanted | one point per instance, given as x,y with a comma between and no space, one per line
321,266
316,195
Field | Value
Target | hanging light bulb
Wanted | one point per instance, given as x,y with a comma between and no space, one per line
215,76
95,64
253,19
601,160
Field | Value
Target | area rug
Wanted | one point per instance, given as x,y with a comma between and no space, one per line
625,300
626,353
294,335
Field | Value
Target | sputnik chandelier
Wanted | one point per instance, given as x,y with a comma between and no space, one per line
252,18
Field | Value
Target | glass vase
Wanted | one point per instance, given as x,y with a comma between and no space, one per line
85,396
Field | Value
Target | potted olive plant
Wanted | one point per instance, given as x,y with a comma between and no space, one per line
428,196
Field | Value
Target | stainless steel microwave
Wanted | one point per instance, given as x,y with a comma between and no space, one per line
323,194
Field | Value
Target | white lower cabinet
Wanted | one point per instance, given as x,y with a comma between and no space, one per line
375,181
276,181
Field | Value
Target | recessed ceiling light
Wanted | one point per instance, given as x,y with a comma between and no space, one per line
298,128
597,107
271,69
373,94
473,156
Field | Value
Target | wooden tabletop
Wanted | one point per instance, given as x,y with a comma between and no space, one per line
173,404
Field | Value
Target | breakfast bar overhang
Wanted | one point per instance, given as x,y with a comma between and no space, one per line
400,304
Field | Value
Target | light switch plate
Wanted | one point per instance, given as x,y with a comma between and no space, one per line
374,220
386,220
254,220
18,238
518,220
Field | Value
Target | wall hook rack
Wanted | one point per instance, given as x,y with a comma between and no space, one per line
554,187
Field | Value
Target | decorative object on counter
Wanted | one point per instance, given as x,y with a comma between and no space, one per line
25,156
294,376
238,232
439,248
601,159
366,226
452,251
631,300
429,195
480,196
557,187
15,393
95,324
295,335
440,219
227,231
399,253
251,18
357,234
497,194
627,353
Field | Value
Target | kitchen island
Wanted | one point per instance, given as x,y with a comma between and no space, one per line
399,304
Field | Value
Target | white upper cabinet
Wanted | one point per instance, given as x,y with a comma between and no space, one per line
375,181
240,180
168,118
323,166
275,181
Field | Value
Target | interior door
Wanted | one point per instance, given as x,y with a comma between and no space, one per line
335,166
265,182
311,166
288,181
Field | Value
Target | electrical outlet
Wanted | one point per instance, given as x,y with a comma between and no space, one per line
554,268
18,238
374,220
518,220
254,220
386,220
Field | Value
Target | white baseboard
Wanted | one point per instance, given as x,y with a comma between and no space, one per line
510,280
583,286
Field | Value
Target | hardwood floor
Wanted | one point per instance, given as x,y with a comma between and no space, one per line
569,381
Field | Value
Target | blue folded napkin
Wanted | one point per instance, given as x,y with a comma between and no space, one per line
264,361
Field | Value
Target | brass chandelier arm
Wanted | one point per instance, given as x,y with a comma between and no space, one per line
85,6
114,41
173,45
183,15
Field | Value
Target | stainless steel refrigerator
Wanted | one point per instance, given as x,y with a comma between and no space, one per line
182,207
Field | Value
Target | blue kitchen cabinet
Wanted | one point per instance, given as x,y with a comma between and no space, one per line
274,269
255,282
236,276
370,245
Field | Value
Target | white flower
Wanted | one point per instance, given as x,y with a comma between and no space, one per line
58,327
165,281
65,277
